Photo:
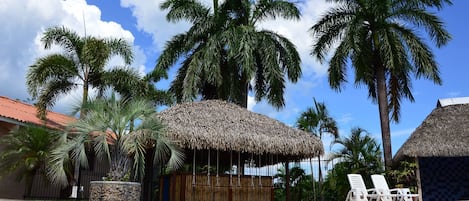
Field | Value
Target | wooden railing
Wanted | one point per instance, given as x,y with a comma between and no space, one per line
186,187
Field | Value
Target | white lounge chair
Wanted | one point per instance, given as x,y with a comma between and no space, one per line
358,191
382,188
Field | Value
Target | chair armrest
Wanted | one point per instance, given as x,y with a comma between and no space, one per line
372,190
396,190
406,191
356,193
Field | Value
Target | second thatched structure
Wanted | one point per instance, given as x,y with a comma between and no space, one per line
220,134
441,146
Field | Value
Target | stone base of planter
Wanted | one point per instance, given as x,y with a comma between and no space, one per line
114,191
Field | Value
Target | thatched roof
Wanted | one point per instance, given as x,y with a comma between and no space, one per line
444,133
224,126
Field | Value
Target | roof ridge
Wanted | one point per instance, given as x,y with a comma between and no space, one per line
442,102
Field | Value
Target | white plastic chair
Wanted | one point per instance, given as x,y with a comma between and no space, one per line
382,188
358,191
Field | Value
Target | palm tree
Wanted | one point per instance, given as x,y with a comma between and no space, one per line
223,51
25,152
81,64
299,184
317,121
360,154
108,129
380,39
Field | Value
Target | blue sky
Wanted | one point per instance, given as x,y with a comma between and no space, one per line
142,23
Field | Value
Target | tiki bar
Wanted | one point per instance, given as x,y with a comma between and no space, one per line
220,139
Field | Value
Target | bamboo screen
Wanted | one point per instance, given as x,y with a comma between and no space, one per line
182,187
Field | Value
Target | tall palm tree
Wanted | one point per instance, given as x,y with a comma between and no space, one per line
317,121
25,151
81,63
379,37
224,50
108,128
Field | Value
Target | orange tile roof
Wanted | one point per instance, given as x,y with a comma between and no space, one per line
22,112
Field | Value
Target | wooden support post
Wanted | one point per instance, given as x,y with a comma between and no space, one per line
419,181
287,181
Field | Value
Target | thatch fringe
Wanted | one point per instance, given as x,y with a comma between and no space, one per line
223,126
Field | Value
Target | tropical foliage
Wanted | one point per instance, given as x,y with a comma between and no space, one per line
380,39
82,63
118,132
300,184
404,176
359,154
25,153
224,50
317,121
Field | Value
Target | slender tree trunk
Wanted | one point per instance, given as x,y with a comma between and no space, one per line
29,182
383,105
287,182
321,197
312,179
320,179
147,180
384,115
215,7
85,97
76,171
244,91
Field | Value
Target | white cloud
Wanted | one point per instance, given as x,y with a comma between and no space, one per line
345,118
151,19
21,33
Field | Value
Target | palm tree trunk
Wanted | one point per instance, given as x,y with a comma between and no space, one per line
29,182
215,7
384,116
244,91
85,97
76,172
312,179
320,179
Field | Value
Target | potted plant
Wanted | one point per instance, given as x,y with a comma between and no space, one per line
120,133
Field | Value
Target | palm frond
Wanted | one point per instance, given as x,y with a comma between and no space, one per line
120,47
64,37
47,68
184,9
274,9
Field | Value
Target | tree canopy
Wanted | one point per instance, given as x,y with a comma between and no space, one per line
224,50
381,41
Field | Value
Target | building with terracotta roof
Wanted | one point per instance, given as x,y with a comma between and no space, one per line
14,113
